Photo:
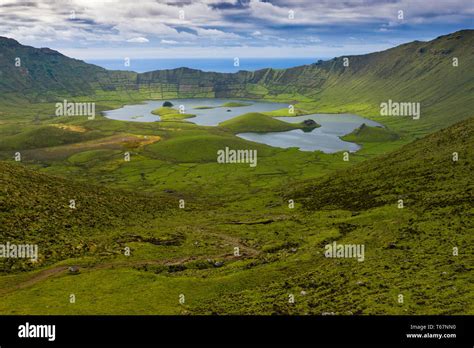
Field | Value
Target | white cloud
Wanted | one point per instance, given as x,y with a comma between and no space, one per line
216,34
139,40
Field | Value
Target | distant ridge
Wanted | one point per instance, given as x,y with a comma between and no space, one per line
415,71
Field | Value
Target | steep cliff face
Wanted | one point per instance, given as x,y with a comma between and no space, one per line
249,84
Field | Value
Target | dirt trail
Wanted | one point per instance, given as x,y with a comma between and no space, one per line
236,242
47,273
245,251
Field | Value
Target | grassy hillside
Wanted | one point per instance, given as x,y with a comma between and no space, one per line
408,251
43,74
201,148
45,136
421,173
257,122
35,208
367,134
414,72
168,114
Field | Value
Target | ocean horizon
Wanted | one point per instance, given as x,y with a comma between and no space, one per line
204,64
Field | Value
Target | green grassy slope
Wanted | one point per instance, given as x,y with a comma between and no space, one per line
409,251
256,122
415,72
34,208
44,74
44,136
201,148
367,134
421,173
168,114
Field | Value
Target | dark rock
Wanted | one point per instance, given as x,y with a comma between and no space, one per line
309,125
168,104
176,268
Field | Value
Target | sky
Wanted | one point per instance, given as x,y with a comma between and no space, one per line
113,29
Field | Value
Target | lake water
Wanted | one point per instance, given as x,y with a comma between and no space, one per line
325,138
204,117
